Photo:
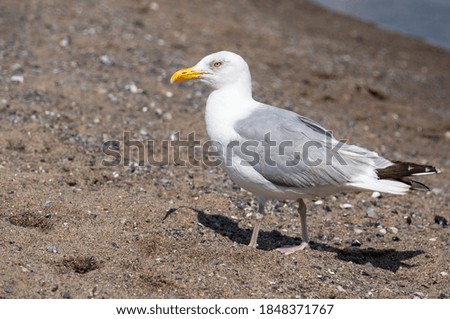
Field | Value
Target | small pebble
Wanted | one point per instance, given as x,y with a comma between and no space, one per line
65,42
369,265
133,88
143,132
215,262
318,202
381,232
340,289
443,273
393,230
408,220
48,203
24,269
66,295
106,60
437,191
52,249
395,238
17,78
17,68
357,230
440,221
356,243
167,116
371,213
154,6
376,195
113,98
8,289
419,294
346,206
169,94
366,203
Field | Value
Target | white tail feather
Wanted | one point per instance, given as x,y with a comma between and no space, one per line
380,185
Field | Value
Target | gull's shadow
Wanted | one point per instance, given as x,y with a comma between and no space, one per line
388,259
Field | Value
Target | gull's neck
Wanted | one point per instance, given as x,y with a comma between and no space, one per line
240,88
226,105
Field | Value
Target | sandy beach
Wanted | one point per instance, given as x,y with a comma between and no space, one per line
74,75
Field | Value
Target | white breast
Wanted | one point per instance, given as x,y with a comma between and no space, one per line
223,110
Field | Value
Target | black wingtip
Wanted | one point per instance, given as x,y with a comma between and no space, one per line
400,170
415,185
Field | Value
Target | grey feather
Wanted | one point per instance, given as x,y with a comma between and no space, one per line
310,155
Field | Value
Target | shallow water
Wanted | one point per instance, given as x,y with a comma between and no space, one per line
425,19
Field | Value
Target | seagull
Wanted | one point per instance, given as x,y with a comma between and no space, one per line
278,154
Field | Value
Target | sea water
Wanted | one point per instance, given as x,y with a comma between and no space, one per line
428,20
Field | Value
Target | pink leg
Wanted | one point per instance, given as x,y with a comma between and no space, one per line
305,239
259,216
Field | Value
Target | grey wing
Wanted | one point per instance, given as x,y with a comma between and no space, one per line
293,151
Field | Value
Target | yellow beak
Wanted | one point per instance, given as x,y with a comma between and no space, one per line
185,74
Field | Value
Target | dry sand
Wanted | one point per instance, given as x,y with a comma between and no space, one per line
72,228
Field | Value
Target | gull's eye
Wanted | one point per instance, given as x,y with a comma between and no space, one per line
217,64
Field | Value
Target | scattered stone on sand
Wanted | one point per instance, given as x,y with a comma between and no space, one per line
215,262
356,243
167,116
371,213
437,191
65,41
393,230
48,203
52,249
66,295
17,68
408,220
447,135
104,59
346,206
376,195
419,294
8,289
381,231
17,78
132,87
440,220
